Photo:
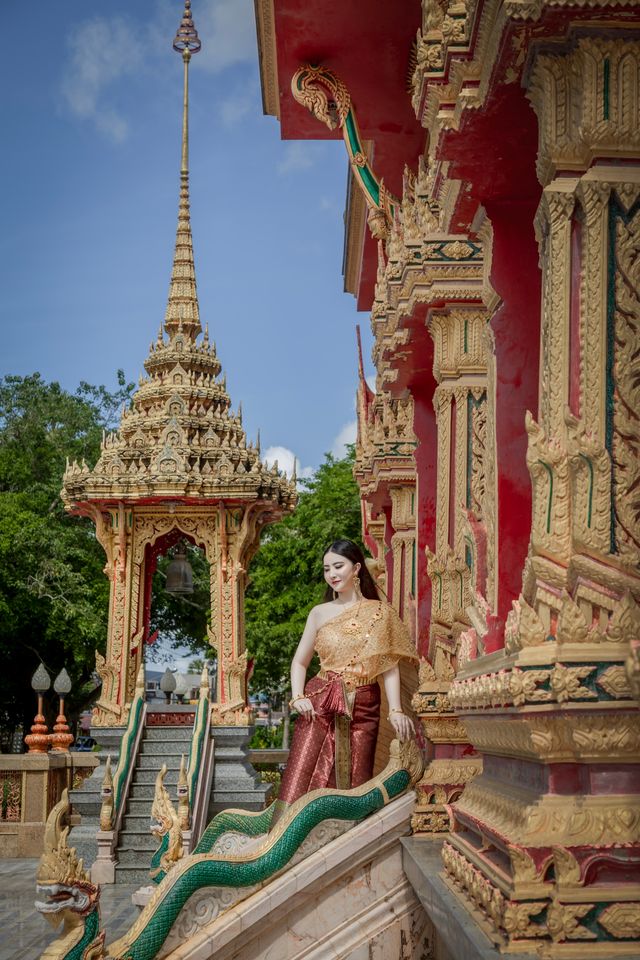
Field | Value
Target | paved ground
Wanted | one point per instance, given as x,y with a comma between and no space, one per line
24,933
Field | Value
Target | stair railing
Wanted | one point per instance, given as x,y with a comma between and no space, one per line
200,769
115,787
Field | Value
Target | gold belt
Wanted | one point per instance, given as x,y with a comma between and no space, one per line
351,680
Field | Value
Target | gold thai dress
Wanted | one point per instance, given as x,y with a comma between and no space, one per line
337,748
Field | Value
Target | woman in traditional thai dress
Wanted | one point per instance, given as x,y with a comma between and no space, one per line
358,639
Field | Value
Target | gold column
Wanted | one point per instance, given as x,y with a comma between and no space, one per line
556,715
403,544
460,401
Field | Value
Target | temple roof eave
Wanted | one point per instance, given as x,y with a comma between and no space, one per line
284,494
88,505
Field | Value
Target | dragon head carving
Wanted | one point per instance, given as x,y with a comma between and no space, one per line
65,891
61,877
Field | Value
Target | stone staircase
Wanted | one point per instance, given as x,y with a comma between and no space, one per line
136,843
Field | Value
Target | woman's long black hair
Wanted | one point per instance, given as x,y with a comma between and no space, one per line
351,551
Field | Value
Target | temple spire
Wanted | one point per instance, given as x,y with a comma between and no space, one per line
182,307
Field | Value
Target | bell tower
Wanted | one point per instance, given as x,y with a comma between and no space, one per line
178,468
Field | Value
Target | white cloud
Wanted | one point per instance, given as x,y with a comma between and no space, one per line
101,53
286,459
347,435
239,103
103,50
298,155
371,380
226,29
228,33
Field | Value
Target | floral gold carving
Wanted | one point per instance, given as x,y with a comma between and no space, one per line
615,682
566,683
563,921
517,919
621,920
567,868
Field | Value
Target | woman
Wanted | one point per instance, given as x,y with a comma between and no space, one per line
358,638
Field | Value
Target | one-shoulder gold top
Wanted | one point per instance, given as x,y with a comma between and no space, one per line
364,641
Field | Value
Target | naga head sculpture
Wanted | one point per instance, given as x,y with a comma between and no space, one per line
62,882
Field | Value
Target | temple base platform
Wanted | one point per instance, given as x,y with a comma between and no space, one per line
456,933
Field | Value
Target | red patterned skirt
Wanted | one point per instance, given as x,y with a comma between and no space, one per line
333,741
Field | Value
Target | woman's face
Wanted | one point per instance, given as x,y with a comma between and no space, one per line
339,571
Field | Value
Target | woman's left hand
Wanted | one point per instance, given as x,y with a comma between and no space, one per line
403,726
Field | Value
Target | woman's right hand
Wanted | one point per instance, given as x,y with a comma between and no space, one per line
304,707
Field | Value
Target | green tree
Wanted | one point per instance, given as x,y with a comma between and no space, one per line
286,575
53,592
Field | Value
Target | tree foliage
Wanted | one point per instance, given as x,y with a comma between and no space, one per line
286,575
53,592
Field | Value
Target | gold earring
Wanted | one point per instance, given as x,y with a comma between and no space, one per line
356,587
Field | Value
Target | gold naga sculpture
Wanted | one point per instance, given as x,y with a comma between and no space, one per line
165,822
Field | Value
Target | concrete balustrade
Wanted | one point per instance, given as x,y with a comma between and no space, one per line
30,785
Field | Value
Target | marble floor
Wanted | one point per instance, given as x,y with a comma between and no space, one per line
24,933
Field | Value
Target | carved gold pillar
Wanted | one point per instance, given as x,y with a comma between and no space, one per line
114,532
460,398
403,545
546,842
238,543
460,402
385,471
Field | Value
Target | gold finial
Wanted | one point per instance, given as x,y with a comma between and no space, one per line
186,42
140,681
182,309
187,39
183,796
106,793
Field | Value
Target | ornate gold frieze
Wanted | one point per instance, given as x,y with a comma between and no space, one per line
621,920
442,782
599,79
611,736
547,919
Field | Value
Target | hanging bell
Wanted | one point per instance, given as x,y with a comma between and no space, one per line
179,573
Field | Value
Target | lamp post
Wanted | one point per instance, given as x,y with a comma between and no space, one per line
61,738
38,739
167,684
182,686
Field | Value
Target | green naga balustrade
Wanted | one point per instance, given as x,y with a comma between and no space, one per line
199,776
66,893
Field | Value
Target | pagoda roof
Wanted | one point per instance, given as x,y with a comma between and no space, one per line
180,439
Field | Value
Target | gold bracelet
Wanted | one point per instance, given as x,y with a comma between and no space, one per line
401,712
294,700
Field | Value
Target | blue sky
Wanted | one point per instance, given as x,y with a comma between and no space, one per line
91,116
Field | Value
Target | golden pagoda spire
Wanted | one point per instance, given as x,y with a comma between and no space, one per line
180,438
182,308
